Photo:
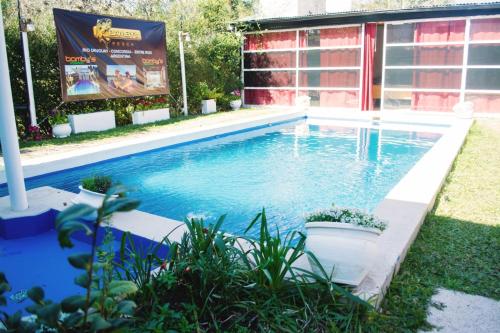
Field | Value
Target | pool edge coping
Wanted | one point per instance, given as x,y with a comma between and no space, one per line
406,206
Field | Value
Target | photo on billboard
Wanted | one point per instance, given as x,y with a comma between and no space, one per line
104,57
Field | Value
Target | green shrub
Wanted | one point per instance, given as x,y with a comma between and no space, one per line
213,56
99,184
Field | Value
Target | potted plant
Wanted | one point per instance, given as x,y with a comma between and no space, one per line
208,98
235,102
344,241
60,124
149,110
92,121
93,190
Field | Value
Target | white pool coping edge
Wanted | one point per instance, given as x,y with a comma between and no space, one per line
407,205
98,153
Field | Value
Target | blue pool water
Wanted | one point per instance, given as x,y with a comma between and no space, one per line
291,170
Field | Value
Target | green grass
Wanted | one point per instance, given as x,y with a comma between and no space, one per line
115,132
458,246
121,131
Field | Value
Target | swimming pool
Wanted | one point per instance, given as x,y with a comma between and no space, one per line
290,169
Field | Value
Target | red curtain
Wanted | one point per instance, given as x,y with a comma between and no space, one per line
443,31
485,29
270,40
369,51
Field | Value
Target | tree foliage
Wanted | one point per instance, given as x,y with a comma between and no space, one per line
212,57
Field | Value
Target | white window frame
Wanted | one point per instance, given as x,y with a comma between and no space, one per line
297,49
463,91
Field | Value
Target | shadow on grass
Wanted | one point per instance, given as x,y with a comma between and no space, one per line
448,253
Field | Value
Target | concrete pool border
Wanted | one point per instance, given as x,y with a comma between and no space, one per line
405,207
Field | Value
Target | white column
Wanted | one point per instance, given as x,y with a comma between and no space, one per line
183,73
8,133
29,82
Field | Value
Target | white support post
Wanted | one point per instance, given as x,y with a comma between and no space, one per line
297,65
29,81
384,49
183,73
465,60
8,133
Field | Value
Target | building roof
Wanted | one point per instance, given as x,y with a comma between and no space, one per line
363,16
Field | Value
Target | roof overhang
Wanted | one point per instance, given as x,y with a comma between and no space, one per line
356,17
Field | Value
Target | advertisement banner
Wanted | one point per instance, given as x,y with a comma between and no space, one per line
109,57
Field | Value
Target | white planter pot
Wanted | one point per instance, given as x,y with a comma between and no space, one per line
92,122
150,116
346,249
61,130
235,105
90,198
208,106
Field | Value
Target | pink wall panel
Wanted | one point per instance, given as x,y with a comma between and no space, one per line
339,99
485,102
431,101
269,96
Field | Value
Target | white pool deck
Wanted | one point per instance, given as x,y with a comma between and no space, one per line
404,208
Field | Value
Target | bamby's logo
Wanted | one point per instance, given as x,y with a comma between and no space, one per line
158,61
105,33
80,59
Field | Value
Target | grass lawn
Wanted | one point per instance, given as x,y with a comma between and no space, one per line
458,246
136,129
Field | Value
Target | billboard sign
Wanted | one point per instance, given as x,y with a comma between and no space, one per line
110,57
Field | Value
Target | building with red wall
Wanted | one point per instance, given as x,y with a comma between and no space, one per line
425,59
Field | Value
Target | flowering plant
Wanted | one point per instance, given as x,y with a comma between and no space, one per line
345,215
34,133
58,117
151,104
235,95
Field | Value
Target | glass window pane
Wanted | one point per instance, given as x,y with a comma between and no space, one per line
484,54
343,36
423,78
485,29
424,55
484,102
270,79
338,98
483,78
330,58
400,33
270,40
270,60
269,96
421,32
332,79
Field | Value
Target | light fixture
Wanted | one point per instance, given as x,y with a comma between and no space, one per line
27,25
